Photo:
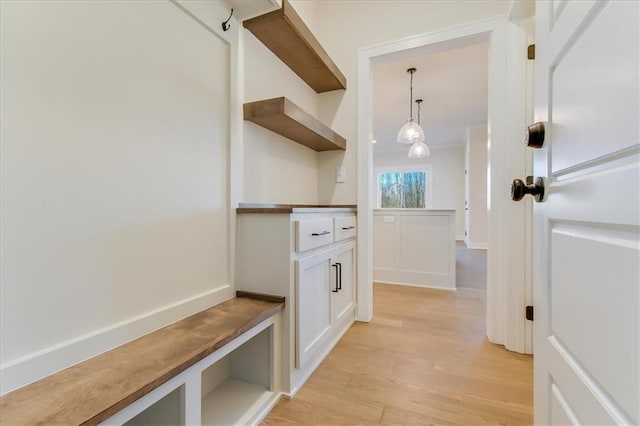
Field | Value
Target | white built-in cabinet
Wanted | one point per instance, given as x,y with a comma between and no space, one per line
307,256
325,297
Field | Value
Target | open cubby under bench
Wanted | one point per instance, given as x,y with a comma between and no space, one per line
214,367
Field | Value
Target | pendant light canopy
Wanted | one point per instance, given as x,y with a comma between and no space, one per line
419,149
411,132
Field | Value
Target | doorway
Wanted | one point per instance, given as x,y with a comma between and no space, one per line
419,198
506,119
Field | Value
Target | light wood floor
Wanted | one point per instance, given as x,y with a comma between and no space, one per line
422,360
471,267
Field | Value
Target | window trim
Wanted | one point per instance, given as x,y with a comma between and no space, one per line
427,169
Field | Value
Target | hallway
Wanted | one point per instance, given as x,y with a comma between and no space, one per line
423,359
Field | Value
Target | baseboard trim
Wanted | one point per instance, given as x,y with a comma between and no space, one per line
476,246
433,287
37,365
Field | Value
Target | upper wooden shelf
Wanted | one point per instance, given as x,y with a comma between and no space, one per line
287,36
285,118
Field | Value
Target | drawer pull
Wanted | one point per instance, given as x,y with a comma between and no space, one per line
335,290
340,280
318,234
346,228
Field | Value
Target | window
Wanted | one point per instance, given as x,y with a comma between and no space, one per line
403,189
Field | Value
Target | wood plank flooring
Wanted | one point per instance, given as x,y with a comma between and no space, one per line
471,267
424,359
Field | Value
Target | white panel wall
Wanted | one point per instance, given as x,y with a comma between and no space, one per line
276,169
478,220
114,177
347,25
414,247
447,165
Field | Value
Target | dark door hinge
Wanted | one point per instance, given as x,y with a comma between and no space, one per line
531,51
529,313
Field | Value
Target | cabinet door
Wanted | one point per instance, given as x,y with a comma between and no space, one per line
344,299
315,280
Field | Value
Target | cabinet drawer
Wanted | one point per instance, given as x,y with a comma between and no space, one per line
313,233
344,227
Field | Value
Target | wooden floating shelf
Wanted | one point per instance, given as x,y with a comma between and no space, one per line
285,118
287,36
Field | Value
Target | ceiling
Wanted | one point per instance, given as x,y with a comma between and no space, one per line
453,84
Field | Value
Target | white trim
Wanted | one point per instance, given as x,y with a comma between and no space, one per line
27,369
514,225
505,102
430,287
476,246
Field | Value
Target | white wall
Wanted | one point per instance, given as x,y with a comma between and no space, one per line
447,165
478,221
114,176
343,27
277,169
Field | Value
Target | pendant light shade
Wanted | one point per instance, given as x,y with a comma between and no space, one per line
419,149
411,132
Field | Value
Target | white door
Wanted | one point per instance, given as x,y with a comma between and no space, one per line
586,232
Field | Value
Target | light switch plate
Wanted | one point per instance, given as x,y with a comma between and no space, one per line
341,174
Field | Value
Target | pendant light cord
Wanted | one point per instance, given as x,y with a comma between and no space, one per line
411,71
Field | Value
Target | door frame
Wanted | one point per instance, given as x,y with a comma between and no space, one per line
507,242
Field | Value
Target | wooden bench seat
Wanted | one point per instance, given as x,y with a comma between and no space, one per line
95,389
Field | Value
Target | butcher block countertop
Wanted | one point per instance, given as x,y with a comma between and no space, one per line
294,208
95,389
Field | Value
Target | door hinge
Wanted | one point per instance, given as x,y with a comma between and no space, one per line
529,313
531,51
465,233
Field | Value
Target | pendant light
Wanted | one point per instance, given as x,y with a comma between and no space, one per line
419,149
411,132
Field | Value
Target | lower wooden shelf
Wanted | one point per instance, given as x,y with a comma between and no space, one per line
233,402
285,118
